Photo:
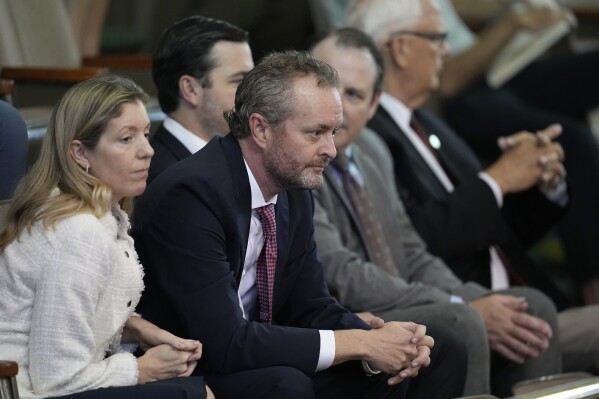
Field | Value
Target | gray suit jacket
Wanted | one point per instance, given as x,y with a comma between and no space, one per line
359,284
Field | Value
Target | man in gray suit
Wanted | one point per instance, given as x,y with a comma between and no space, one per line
406,282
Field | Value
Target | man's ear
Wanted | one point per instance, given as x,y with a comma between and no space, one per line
398,51
79,153
190,90
259,128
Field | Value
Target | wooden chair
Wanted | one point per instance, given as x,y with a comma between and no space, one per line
8,383
137,67
37,86
536,384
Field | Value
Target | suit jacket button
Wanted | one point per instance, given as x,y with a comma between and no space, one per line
127,254
129,304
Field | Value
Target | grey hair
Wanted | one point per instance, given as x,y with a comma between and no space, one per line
380,18
268,88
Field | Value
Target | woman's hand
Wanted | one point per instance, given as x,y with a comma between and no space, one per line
148,335
163,361
166,354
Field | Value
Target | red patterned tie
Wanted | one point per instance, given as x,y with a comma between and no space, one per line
267,262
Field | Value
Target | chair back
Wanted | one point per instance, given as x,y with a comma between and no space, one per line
44,86
8,382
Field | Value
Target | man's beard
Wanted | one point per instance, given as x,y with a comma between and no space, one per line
289,174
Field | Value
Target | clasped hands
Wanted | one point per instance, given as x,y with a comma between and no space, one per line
401,348
512,332
166,355
529,159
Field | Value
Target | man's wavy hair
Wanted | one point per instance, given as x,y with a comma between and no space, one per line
268,89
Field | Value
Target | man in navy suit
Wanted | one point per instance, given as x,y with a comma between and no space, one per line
203,238
197,66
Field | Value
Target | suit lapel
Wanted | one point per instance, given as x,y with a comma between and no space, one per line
459,162
243,201
409,157
170,142
339,191
337,187
282,219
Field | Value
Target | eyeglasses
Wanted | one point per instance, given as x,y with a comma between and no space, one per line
436,37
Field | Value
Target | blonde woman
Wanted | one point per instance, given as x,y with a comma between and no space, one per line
70,275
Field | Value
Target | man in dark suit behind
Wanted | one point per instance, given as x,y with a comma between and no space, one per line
196,66
207,246
479,221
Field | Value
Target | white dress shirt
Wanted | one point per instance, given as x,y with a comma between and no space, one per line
192,142
248,292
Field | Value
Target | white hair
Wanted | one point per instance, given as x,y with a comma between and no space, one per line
380,18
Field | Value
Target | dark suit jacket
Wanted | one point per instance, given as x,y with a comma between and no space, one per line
191,230
167,151
462,225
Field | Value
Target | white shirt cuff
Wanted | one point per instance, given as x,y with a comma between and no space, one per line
327,350
456,299
493,186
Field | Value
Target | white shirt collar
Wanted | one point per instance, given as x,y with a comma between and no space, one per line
401,114
349,152
192,142
257,197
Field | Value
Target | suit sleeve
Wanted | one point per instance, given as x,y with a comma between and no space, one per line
530,215
468,220
361,285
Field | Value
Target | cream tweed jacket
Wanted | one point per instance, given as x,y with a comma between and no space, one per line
65,295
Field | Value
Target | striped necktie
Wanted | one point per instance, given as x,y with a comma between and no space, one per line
369,224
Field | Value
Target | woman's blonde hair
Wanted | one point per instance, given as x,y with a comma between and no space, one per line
82,114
